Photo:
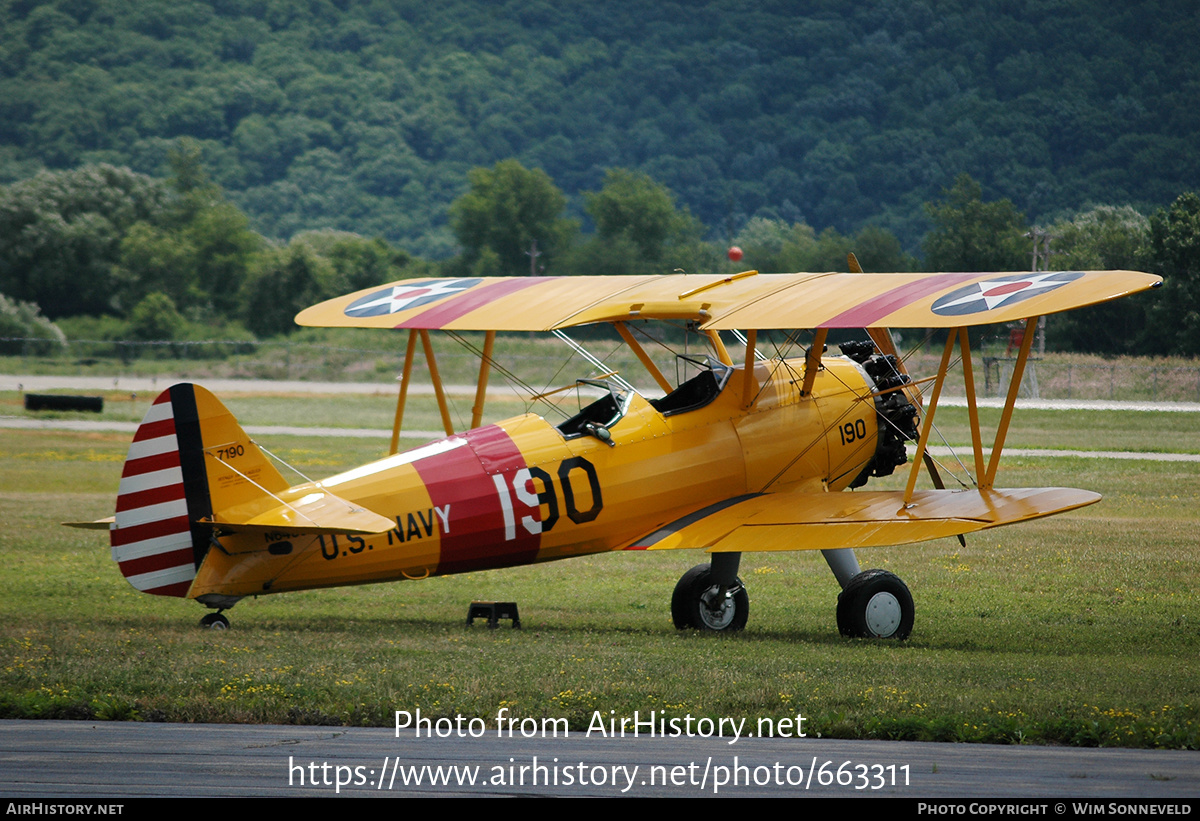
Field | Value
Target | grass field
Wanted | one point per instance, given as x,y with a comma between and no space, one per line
1078,629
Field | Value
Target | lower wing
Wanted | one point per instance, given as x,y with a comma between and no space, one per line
820,521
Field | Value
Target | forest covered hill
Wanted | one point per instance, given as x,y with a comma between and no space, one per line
368,116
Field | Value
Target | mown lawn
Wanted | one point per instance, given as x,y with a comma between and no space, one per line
1078,629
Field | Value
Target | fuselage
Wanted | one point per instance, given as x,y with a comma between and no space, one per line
524,490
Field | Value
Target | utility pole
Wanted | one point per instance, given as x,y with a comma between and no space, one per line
1041,260
533,253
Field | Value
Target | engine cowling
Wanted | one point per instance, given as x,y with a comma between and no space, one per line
898,418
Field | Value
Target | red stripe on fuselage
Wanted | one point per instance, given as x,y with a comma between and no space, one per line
867,314
459,306
463,480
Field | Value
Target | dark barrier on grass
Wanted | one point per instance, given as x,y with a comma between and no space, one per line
60,402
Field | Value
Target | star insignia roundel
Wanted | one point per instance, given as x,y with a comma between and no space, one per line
401,297
1001,291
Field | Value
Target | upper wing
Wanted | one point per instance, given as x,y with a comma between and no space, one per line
747,300
820,521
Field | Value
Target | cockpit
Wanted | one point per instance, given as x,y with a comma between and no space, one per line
697,391
691,394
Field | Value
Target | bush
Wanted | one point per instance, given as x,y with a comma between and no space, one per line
24,331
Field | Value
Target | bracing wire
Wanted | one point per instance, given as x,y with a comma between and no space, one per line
919,390
514,380
281,461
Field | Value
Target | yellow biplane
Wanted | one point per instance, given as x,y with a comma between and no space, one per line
742,453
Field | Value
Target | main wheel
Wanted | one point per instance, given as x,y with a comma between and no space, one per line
214,621
695,604
875,604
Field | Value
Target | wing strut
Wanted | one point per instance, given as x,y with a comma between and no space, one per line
929,412
748,393
485,364
437,382
812,360
642,356
882,337
964,344
714,339
986,477
405,377
1014,387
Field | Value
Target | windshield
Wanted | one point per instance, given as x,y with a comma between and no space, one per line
599,415
696,391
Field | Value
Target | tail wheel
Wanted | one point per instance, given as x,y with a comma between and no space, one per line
699,603
215,621
875,604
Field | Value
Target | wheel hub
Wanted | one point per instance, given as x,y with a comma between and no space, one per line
883,614
716,614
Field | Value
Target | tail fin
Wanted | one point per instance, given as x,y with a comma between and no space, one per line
169,488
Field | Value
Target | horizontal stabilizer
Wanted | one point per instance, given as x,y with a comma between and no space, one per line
315,513
821,521
99,524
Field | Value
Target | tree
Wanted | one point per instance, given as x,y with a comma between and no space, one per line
285,282
61,232
197,248
1173,325
971,235
633,206
762,240
639,230
506,210
155,319
357,262
878,249
23,321
1104,238
153,260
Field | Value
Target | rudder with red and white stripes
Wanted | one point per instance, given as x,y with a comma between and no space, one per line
164,490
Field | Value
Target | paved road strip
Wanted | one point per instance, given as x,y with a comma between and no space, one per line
86,426
146,384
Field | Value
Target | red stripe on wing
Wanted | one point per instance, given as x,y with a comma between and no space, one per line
867,314
459,306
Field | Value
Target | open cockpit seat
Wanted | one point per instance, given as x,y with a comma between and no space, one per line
695,392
